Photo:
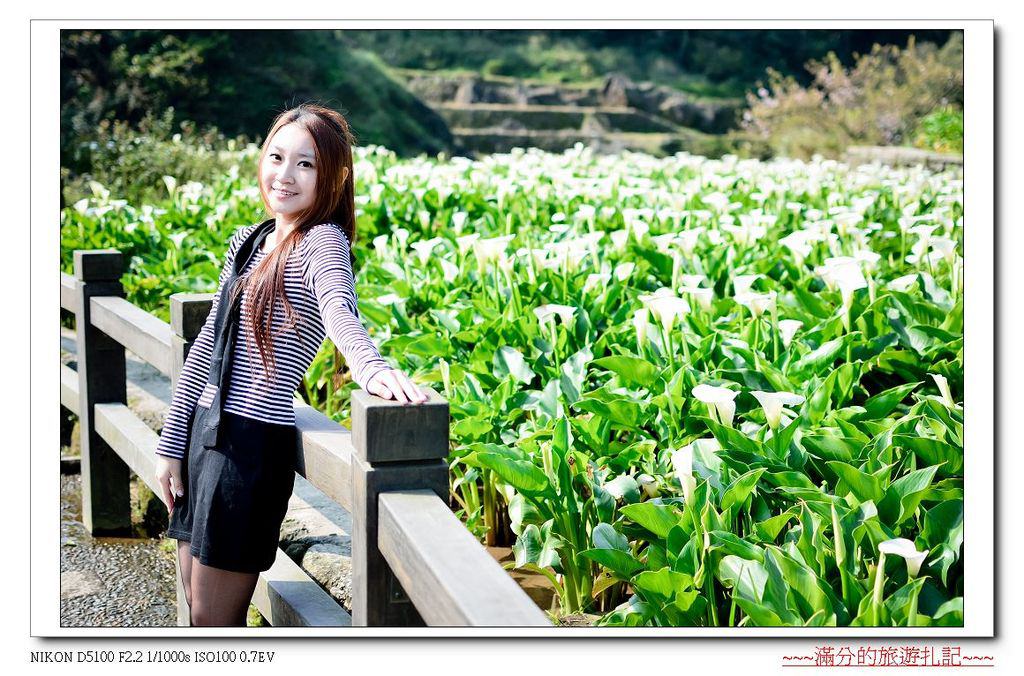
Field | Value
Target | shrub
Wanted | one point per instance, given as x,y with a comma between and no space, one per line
942,131
131,160
881,100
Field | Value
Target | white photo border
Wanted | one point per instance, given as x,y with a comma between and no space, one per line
979,480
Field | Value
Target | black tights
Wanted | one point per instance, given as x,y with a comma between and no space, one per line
216,597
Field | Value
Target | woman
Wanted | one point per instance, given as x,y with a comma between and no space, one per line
225,457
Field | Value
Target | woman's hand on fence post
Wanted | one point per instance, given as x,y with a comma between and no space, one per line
393,384
168,478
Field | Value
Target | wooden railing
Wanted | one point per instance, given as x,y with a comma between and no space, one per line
413,561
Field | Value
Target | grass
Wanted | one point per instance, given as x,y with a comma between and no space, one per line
169,545
254,618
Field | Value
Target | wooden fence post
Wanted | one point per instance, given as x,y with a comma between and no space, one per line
67,427
396,447
106,502
188,313
67,417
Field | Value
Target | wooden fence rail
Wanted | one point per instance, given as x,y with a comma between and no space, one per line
413,561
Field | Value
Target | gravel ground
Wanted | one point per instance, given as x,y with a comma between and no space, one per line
111,582
114,582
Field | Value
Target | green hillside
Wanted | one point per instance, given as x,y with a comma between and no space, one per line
233,80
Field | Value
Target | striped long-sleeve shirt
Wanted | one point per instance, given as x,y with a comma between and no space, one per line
320,286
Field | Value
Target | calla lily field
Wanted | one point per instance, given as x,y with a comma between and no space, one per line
686,391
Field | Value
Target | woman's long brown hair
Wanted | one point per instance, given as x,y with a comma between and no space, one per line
334,201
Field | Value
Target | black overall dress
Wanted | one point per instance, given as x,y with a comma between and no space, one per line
238,472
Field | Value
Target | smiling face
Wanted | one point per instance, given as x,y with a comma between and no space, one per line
288,172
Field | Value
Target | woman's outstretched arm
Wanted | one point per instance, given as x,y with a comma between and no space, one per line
328,275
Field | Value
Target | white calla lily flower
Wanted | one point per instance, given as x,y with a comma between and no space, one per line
903,283
664,242
585,212
641,324
742,283
834,263
688,239
538,256
788,329
924,232
649,484
492,249
451,271
745,234
665,307
545,312
458,220
757,303
716,200
719,400
845,220
169,181
945,246
800,243
691,280
623,271
638,228
867,258
682,463
506,263
392,299
598,279
843,273
704,297
619,238
773,404
849,279
380,245
466,241
425,248
943,385
864,202
932,257
906,549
